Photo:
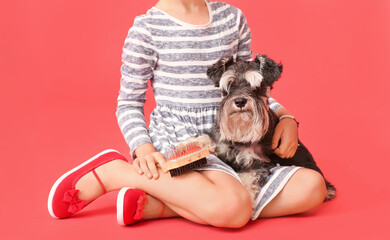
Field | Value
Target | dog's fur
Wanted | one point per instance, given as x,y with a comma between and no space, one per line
245,125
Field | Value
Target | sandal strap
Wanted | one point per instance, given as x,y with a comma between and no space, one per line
100,181
162,212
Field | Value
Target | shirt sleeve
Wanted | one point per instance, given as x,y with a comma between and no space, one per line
273,104
138,61
244,51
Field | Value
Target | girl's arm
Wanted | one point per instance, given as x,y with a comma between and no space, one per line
138,61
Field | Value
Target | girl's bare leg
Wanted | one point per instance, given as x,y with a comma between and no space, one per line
304,191
154,207
207,197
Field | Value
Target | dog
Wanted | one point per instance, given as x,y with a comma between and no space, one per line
243,133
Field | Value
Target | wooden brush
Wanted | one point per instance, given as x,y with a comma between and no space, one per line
185,158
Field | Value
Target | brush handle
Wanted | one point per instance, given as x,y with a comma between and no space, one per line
184,160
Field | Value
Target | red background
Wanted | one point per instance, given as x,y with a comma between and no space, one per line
60,70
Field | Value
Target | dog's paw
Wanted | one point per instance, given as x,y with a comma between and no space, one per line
250,180
261,176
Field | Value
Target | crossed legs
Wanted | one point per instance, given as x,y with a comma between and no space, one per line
305,191
206,197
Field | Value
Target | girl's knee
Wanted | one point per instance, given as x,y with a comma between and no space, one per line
313,190
232,210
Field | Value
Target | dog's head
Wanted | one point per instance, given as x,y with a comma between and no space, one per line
245,85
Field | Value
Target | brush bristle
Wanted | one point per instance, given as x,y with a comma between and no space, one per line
187,168
183,150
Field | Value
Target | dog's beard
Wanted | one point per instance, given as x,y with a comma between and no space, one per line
246,125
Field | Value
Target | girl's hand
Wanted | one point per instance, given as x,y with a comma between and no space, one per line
147,164
147,158
286,132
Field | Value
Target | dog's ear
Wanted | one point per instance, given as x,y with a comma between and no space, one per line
215,71
269,69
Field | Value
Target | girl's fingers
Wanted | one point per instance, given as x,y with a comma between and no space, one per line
137,167
292,149
161,160
152,167
147,164
290,152
281,150
287,150
278,152
145,168
276,138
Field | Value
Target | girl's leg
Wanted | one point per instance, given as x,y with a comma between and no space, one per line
208,197
304,191
154,207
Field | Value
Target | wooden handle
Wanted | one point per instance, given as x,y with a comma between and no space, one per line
182,161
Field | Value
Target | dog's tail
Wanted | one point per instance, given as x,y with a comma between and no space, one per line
330,191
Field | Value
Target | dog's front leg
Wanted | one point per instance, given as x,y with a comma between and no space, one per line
249,180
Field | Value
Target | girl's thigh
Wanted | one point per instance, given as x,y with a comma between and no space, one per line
228,186
225,179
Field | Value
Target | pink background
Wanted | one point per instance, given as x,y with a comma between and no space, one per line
60,70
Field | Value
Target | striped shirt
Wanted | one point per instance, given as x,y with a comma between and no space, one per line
174,56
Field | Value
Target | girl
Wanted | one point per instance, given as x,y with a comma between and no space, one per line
173,44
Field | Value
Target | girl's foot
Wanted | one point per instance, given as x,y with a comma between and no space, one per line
89,186
134,205
64,196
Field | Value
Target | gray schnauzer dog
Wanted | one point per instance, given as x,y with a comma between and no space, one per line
243,134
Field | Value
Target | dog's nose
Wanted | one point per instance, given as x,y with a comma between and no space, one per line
240,102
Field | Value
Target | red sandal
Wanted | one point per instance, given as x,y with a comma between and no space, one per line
130,204
63,200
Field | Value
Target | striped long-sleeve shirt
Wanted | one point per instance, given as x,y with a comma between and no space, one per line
174,55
